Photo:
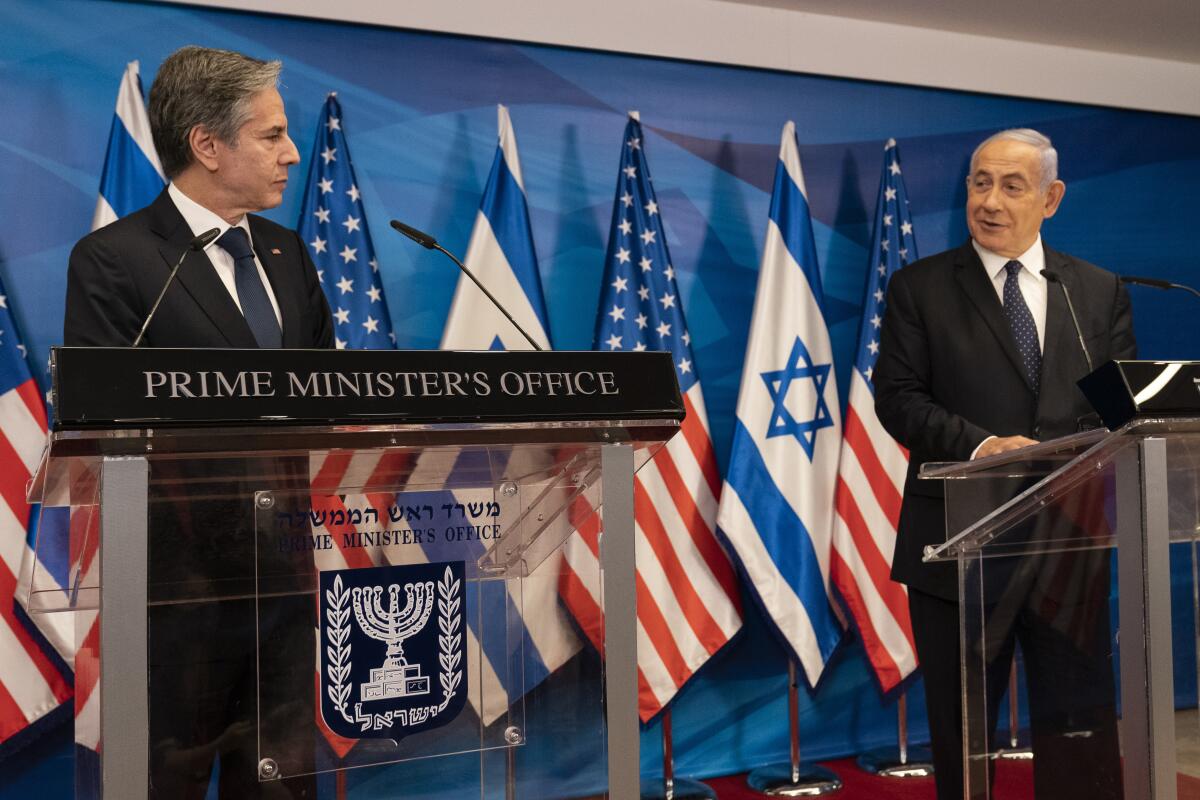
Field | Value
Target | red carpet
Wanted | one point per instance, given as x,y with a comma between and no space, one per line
1014,781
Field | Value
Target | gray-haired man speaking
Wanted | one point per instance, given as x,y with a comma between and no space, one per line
221,133
978,356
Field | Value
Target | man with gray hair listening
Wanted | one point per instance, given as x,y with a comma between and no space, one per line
221,133
978,356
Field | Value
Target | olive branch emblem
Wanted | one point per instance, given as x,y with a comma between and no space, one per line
450,636
337,632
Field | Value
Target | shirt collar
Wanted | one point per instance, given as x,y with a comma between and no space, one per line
1033,259
201,219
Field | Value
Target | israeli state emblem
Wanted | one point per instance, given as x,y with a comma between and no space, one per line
393,649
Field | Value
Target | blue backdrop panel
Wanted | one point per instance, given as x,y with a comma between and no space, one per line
419,110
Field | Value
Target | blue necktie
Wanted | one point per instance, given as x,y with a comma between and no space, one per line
1023,329
252,295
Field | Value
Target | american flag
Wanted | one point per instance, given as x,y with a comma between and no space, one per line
333,224
873,466
32,682
687,594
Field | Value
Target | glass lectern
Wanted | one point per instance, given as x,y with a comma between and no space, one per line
1049,542
275,600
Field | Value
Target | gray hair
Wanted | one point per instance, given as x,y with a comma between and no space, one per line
1049,156
206,87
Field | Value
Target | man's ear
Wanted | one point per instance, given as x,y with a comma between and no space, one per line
204,147
1054,196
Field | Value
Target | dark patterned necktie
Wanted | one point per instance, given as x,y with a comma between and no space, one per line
1023,328
252,295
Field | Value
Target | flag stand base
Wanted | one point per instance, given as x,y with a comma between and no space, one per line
887,763
795,778
780,780
677,789
668,787
1015,754
902,761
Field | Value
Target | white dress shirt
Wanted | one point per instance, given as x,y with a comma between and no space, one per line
1030,281
200,219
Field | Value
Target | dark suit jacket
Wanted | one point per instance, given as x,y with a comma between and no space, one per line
949,375
115,274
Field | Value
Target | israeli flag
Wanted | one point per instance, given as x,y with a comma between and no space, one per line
131,179
132,175
777,508
501,255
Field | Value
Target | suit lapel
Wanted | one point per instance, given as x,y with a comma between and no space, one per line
274,254
975,284
197,275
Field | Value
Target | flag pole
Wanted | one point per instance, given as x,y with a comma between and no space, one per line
510,774
670,787
904,761
795,778
1014,751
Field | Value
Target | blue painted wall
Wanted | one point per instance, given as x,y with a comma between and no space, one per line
420,117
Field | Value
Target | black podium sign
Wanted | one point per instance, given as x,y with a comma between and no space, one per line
123,386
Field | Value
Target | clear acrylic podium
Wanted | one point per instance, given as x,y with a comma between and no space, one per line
217,544
1068,549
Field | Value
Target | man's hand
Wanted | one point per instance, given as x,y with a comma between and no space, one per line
1002,444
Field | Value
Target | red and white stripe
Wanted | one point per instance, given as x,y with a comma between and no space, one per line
31,685
83,499
870,486
688,604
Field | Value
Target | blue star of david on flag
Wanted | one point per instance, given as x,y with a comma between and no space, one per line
782,423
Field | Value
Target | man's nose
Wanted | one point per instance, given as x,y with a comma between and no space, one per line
290,155
991,199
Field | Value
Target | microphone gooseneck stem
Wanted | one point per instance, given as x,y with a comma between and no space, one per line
198,243
489,295
1157,283
154,308
1078,330
1053,277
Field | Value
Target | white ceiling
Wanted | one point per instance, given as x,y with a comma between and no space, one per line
1168,29
1104,52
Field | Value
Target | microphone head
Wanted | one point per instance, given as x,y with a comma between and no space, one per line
423,239
1051,276
205,239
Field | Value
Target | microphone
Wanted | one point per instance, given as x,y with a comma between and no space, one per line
199,243
1054,277
1156,283
430,243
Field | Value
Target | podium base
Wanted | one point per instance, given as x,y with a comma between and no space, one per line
776,780
886,763
680,789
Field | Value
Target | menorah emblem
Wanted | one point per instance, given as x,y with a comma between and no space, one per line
395,677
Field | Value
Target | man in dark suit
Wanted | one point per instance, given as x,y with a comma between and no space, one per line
225,158
978,356
221,133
